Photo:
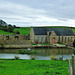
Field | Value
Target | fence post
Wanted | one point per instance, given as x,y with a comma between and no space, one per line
70,68
73,64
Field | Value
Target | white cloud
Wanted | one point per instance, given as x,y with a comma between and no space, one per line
24,15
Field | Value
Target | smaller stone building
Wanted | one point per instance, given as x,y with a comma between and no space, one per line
51,35
14,41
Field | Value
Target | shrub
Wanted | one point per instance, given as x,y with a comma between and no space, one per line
26,52
32,58
53,58
61,58
16,57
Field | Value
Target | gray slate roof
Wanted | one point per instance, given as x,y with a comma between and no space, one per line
58,31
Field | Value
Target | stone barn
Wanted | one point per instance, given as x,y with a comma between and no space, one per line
51,35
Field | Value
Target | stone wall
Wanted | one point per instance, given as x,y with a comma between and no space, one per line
14,41
40,38
63,39
32,35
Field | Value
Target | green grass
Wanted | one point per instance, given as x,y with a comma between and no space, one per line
23,30
61,44
73,30
35,44
4,32
46,44
33,67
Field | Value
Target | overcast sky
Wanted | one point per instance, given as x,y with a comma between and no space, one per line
26,13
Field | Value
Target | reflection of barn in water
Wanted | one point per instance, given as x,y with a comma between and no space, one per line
51,35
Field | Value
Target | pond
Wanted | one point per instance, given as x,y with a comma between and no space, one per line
42,53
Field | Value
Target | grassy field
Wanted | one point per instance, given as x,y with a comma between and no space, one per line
3,32
23,30
73,30
33,67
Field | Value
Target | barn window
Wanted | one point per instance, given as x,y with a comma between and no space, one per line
62,38
65,39
59,39
68,38
41,39
38,38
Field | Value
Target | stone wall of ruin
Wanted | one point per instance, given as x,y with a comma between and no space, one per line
12,41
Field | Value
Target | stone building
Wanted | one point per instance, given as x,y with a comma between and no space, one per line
51,35
14,41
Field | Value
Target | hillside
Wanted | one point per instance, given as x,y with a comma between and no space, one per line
23,30
5,33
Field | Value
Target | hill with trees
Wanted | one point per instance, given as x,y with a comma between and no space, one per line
7,28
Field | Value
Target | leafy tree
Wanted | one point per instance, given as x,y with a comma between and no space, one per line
14,26
10,28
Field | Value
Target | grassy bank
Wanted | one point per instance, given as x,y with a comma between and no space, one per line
33,67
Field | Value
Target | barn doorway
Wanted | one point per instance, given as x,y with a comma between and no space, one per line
53,40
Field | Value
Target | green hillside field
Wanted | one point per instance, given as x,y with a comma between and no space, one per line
5,33
23,30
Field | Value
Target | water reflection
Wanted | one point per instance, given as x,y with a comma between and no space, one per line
11,56
43,53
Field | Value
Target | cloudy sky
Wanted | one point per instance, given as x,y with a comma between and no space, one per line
38,12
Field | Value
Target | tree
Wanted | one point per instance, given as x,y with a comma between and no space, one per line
10,28
14,26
